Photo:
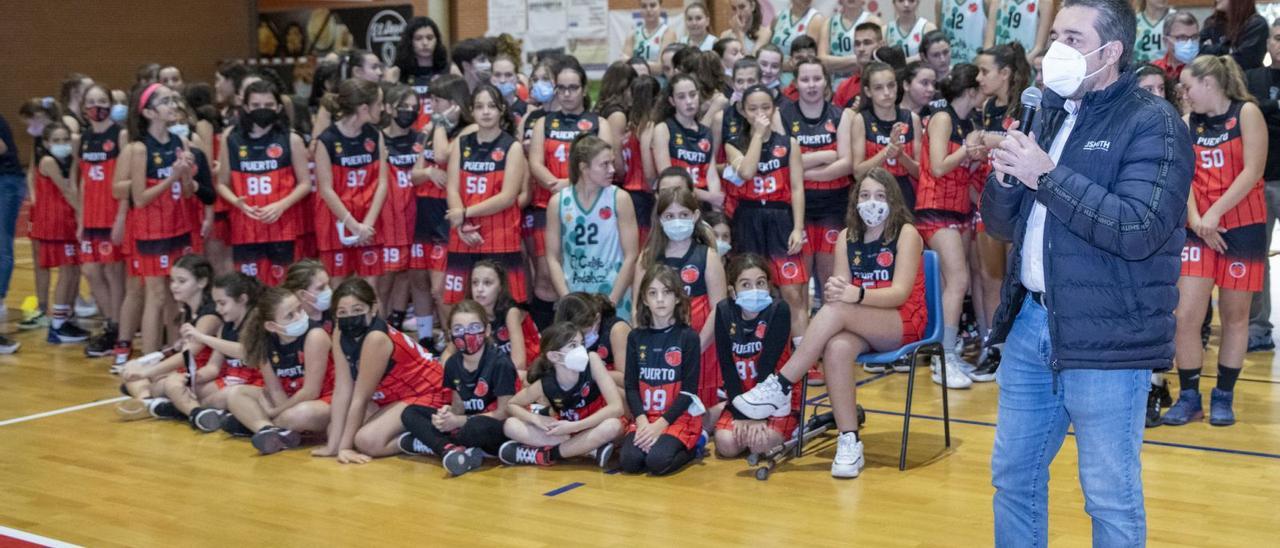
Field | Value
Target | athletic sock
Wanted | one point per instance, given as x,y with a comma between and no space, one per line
1157,379
60,314
425,325
854,432
1189,379
784,382
554,454
949,333
396,318
1227,377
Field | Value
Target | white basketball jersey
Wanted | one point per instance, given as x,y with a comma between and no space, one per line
964,22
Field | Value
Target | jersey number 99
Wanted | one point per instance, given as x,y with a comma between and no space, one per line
655,400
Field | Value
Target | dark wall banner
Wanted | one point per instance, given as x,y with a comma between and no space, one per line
316,32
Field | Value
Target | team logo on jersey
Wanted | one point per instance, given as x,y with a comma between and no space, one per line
790,270
973,7
555,123
760,329
606,213
337,148
437,252
884,259
502,334
369,257
832,235
417,148
603,352
482,388
586,390
829,126
1031,7
104,248
679,140
673,356
1236,270
873,6
704,145
157,160
466,152
498,155
1231,123
275,151
277,271
369,145
795,126
584,125
689,274
779,151
243,152
108,146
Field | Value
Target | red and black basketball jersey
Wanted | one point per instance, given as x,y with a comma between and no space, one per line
995,118
262,174
772,182
98,154
577,402
167,216
397,219
354,165
559,132
604,344
411,371
950,192
288,362
690,149
732,124
751,350
1219,148
633,179
234,367
419,78
878,131
502,338
814,134
479,390
662,371
207,308
871,264
516,112
692,268
482,174
52,217
428,189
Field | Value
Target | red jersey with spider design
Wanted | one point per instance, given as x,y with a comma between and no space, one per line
560,129
354,165
262,174
412,373
878,132
814,134
950,192
690,149
772,182
98,155
1219,148
482,174
168,215
398,217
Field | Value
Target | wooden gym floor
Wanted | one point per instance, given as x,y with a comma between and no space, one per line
80,476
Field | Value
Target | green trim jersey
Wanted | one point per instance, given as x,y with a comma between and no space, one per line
1149,44
909,42
786,28
964,22
590,244
1017,21
648,47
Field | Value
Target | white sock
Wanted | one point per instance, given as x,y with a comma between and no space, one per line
425,324
949,339
796,341
60,314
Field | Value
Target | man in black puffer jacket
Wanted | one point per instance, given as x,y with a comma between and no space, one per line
1096,209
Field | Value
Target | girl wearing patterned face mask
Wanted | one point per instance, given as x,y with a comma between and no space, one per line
875,303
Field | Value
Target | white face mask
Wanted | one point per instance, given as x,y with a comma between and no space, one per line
298,328
576,360
323,299
1065,68
723,247
678,230
182,131
873,212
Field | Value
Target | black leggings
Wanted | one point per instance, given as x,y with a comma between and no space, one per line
667,455
482,432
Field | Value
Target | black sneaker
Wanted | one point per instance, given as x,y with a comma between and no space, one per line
102,345
273,439
460,460
233,426
1153,406
514,452
8,346
1162,393
68,333
1205,331
604,455
206,420
412,446
1261,343
986,370
162,408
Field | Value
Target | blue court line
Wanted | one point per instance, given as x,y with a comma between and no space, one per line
1145,441
562,490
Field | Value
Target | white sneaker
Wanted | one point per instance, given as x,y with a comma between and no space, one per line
848,462
85,309
956,377
766,400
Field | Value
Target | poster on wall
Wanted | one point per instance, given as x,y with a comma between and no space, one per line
588,33
320,31
547,23
506,16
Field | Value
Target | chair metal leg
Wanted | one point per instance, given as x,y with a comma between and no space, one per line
906,415
804,403
946,408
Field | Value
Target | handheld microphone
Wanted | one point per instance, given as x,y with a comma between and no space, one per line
1030,104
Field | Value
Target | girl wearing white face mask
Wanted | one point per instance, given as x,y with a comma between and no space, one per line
686,244
753,334
292,351
55,204
585,403
875,303
308,280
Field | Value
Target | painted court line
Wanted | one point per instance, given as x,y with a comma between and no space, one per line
562,490
63,410
24,538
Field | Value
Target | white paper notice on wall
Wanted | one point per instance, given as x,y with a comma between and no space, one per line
548,26
507,16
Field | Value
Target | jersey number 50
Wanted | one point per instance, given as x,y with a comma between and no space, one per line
1212,158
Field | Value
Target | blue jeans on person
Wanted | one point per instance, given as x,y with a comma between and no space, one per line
13,188
1106,409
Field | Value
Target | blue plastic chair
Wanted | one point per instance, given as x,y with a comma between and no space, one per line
930,345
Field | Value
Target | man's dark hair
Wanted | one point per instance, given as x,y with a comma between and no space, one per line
1116,22
467,50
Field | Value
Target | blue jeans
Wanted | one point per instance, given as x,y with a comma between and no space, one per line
1106,409
13,188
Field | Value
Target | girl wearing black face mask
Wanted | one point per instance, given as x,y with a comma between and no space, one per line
264,179
375,363
406,169
482,380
